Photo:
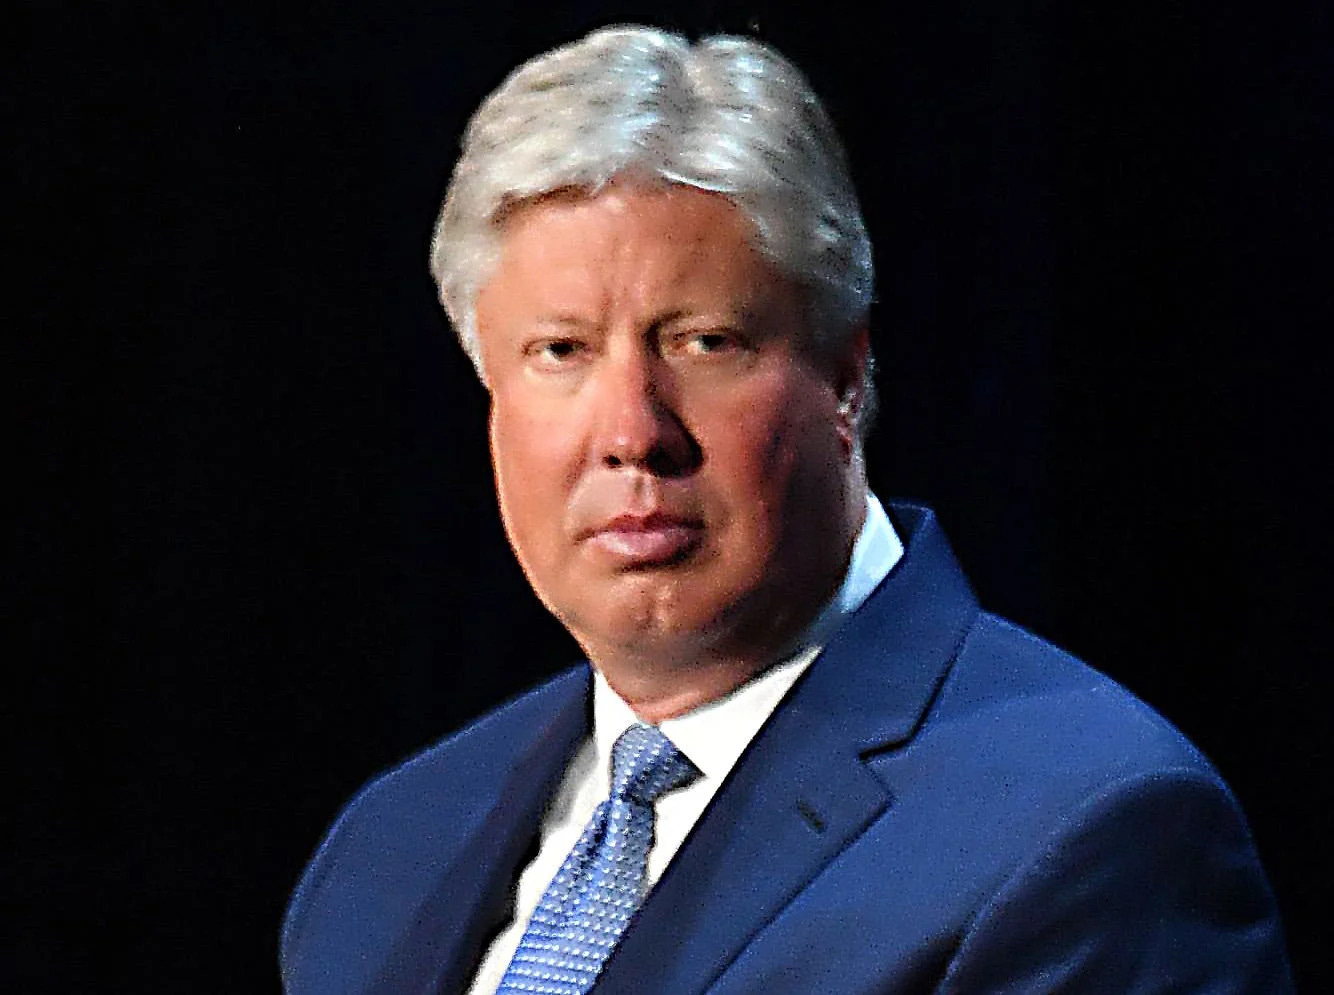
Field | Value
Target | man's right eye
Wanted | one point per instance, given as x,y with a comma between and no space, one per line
554,352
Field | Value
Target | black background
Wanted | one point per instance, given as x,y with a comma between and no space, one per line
257,555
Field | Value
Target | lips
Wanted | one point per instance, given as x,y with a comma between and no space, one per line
647,540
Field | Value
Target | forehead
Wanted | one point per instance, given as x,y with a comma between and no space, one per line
628,238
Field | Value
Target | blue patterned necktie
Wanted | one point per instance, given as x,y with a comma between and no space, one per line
594,895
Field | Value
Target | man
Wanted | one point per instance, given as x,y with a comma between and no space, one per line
800,758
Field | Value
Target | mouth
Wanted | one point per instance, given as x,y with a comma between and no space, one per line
645,541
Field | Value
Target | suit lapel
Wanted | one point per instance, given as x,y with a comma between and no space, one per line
801,793
439,949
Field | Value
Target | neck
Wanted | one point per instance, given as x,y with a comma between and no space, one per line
656,697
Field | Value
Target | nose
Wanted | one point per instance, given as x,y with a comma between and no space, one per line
639,426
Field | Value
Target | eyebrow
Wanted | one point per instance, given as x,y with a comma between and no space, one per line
566,321
725,318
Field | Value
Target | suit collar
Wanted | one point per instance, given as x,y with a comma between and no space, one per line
801,793
880,671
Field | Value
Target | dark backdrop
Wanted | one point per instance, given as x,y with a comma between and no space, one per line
258,558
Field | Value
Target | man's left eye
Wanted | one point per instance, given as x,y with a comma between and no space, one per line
706,343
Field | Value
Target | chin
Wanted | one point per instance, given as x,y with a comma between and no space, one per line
642,629
670,635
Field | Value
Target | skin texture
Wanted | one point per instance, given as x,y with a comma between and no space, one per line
674,464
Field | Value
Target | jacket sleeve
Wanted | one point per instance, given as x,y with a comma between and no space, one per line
1153,886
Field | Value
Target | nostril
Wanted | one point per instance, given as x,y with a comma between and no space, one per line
676,460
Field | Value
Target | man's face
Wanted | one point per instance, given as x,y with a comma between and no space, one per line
671,458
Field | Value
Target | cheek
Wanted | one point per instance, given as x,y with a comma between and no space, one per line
751,475
517,459
535,457
766,438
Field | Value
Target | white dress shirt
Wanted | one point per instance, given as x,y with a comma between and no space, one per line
713,736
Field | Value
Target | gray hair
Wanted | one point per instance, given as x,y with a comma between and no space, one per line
727,114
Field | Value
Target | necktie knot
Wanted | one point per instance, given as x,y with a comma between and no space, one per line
646,764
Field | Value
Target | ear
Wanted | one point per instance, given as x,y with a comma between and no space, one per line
850,385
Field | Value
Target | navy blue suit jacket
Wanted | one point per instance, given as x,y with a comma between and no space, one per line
943,803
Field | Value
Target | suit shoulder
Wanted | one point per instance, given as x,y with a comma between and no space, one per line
1040,705
399,823
479,752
